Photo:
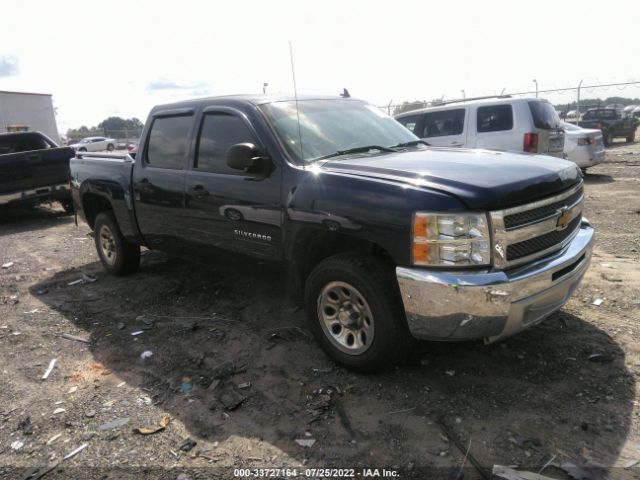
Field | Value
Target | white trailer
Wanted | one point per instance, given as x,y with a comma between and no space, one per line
21,111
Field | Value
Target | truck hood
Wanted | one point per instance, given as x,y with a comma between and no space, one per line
481,179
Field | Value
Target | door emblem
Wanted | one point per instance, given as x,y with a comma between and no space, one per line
563,219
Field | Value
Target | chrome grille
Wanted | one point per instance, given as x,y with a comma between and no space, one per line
527,232
519,219
537,244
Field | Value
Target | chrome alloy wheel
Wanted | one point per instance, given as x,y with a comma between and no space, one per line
107,244
346,318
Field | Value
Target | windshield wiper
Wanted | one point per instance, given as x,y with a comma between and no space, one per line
362,149
412,143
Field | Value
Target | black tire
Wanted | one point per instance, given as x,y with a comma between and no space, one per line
376,283
67,205
608,139
631,138
82,149
117,255
110,147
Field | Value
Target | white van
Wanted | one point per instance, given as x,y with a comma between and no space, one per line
504,123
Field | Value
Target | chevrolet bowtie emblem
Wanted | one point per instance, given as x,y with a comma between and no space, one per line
563,219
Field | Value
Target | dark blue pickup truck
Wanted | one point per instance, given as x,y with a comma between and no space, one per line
33,169
389,238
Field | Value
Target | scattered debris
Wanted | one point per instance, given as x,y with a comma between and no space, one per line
42,291
188,445
59,410
599,358
117,423
402,411
451,373
306,442
506,473
68,336
75,452
321,371
52,364
121,384
54,438
84,279
155,429
146,354
483,473
136,333
597,302
610,278
73,389
37,473
17,445
631,463
7,265
608,265
231,400
25,426
574,471
227,369
90,413
244,386
187,385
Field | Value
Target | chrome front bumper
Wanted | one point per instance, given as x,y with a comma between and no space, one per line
466,305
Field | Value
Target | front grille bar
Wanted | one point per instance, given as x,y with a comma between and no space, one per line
527,232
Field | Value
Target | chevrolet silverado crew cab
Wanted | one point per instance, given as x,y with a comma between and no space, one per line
390,239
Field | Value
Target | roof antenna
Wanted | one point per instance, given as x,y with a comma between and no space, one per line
345,93
295,93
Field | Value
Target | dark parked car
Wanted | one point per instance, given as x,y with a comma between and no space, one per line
388,238
33,169
612,124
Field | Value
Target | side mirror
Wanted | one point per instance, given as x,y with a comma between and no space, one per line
247,157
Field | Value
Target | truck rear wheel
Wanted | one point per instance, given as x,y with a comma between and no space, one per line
355,312
118,256
631,138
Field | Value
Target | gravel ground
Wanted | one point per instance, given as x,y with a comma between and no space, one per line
233,367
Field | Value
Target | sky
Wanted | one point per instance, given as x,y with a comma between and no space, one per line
119,58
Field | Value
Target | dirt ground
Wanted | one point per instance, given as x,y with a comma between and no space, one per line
234,368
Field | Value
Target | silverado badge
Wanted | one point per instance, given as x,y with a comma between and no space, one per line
563,219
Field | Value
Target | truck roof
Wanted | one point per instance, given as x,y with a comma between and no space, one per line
247,99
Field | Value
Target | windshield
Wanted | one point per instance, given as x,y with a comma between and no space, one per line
544,115
85,140
331,126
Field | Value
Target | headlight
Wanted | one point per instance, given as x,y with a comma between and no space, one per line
450,240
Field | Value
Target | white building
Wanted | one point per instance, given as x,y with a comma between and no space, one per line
20,111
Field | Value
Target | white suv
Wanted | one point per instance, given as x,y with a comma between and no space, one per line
502,123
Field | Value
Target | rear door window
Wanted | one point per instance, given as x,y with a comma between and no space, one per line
443,123
169,141
410,122
495,118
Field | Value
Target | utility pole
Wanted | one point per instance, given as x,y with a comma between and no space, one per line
264,87
578,102
536,82
463,95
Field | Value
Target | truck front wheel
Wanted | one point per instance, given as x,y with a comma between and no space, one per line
355,312
608,139
118,256
631,138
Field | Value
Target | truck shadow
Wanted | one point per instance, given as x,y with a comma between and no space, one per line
233,361
597,178
20,218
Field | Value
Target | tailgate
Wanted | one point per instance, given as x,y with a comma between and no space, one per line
31,170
